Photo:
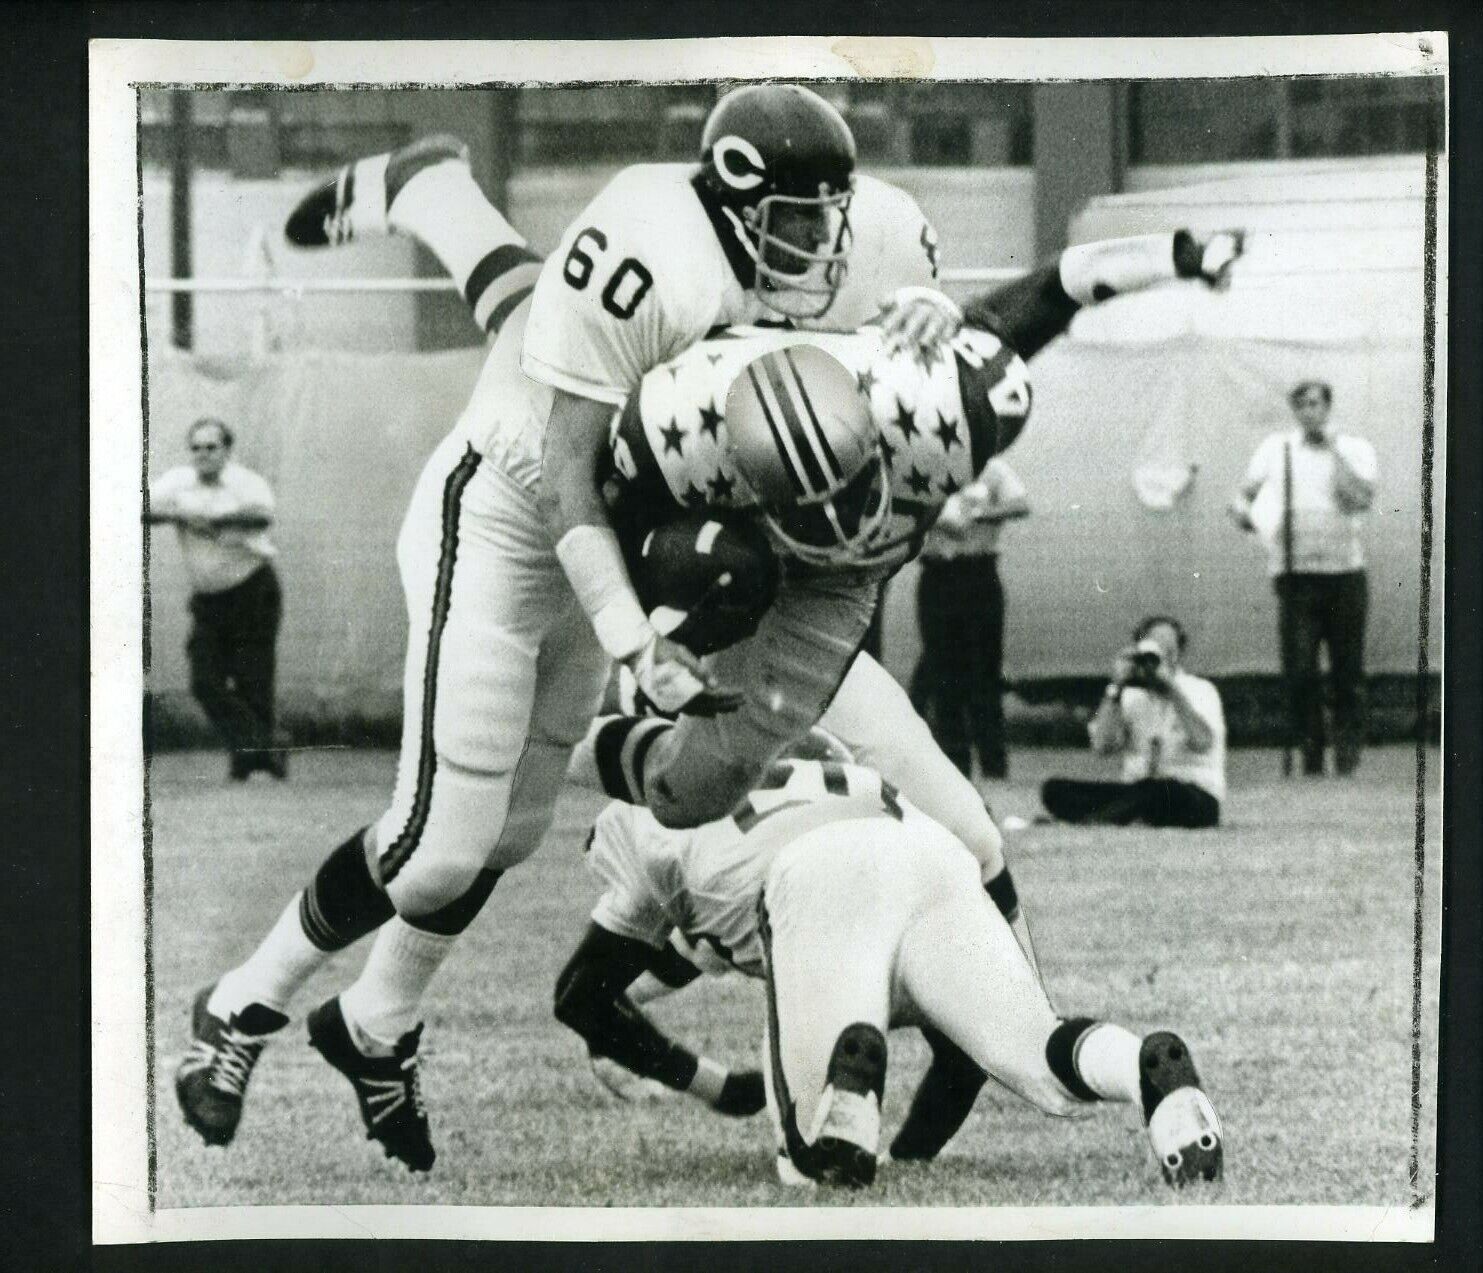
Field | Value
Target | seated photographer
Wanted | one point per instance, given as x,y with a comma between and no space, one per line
1168,727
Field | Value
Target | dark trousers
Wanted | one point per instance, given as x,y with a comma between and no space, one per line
233,658
1157,802
958,686
1328,610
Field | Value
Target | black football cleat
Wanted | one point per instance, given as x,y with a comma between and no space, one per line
387,1088
211,1080
1183,1127
847,1124
354,203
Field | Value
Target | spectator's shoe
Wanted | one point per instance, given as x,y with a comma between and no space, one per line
211,1081
1183,1127
276,763
1346,758
241,767
1312,763
387,1088
847,1124
354,203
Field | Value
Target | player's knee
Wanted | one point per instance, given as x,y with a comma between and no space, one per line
451,919
425,890
678,805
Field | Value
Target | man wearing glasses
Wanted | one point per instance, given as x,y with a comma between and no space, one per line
221,512
1305,492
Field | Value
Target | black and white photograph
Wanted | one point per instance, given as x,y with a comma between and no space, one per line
768,638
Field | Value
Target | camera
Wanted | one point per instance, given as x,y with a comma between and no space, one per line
1146,659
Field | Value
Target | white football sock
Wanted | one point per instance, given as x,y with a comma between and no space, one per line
1092,272
367,212
385,1001
443,208
284,960
1106,1057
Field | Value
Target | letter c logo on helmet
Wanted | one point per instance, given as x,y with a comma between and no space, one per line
729,149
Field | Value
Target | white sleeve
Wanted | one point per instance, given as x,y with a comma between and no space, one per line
1004,482
164,489
1360,456
1205,699
630,905
256,491
598,315
1259,470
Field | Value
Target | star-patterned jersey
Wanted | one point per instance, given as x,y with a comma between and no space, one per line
644,272
705,882
941,416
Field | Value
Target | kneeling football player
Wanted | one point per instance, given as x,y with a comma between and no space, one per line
859,913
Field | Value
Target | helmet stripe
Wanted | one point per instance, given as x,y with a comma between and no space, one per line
781,441
816,432
791,412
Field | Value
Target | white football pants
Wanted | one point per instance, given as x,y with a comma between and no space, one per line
503,676
872,921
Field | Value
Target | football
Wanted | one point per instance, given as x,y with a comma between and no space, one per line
706,578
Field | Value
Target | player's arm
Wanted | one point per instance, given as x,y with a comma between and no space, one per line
1032,311
577,520
591,999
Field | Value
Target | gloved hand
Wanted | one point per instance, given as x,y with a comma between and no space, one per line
673,679
918,318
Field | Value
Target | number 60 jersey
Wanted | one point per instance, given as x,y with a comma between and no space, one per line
941,416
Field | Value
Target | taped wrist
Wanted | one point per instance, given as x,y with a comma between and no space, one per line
593,562
709,1080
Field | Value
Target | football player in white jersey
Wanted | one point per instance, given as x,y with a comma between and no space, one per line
860,913
516,590
941,413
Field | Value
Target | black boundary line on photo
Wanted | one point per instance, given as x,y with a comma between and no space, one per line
1423,635
46,1084
151,1109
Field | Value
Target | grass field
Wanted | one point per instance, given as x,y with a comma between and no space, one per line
1280,946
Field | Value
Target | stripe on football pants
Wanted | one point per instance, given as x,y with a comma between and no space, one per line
799,1150
396,855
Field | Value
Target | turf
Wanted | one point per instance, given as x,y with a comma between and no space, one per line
1280,946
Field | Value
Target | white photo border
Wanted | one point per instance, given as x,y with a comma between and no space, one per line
122,1141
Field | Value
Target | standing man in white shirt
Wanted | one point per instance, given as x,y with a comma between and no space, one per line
221,512
1305,493
958,686
1168,726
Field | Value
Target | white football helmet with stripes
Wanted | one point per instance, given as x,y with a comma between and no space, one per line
806,447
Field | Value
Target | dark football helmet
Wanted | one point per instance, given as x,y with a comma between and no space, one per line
780,160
